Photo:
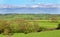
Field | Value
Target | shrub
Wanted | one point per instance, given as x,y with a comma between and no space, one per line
25,26
6,27
58,26
42,29
19,26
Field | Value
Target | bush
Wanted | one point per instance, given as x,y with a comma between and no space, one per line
42,29
58,26
25,26
5,27
19,26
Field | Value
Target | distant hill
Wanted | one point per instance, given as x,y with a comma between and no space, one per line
29,16
30,9
30,6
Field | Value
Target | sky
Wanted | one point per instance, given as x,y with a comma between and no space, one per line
23,2
29,1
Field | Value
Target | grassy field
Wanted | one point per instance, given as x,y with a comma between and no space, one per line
46,24
41,34
55,33
42,23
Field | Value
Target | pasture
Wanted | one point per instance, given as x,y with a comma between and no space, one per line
41,20
55,33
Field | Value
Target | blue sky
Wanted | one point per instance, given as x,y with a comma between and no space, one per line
29,1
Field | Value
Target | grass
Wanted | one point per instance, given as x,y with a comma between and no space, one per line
55,33
47,24
42,22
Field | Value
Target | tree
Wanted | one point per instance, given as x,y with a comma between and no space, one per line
24,26
54,19
7,28
58,26
36,27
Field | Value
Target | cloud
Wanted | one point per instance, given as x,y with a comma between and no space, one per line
34,6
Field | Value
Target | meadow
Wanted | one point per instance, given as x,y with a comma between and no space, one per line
42,20
55,33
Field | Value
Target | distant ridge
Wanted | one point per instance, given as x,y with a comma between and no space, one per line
30,9
30,6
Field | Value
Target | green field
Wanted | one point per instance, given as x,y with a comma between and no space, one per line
41,34
55,33
42,20
46,24
29,16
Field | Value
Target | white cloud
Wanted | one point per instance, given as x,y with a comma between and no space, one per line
34,6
